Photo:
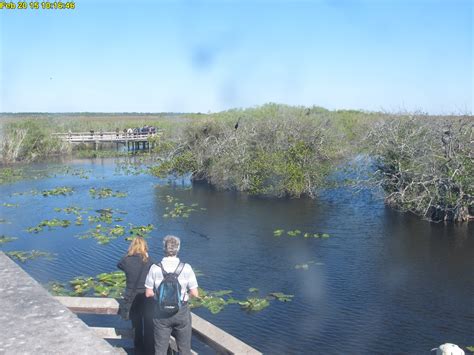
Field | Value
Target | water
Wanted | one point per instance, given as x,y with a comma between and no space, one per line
383,282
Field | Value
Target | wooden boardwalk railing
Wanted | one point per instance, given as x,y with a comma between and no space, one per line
105,137
216,338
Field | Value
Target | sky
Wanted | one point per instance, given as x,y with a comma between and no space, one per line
213,55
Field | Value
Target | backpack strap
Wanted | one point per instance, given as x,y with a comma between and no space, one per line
179,269
162,269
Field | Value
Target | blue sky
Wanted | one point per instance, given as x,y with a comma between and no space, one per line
200,56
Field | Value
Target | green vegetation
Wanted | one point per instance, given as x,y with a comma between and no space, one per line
101,234
105,193
64,191
104,235
24,256
425,165
5,204
50,223
8,175
178,209
71,210
297,232
275,150
5,239
215,301
140,231
104,285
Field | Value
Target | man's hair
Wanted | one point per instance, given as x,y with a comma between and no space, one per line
171,245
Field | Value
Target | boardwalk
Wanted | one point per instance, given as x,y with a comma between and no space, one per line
34,322
104,137
132,141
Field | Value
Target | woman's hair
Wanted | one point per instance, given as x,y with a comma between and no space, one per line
139,247
171,245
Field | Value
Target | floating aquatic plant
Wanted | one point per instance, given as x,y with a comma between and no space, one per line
179,209
23,256
106,215
82,285
140,231
215,301
297,232
103,235
64,191
293,233
71,210
100,234
110,284
105,193
280,296
5,239
4,221
278,232
254,304
50,223
58,289
5,204
79,172
117,230
8,175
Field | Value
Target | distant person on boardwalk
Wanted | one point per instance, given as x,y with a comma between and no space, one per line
136,265
117,133
92,133
179,322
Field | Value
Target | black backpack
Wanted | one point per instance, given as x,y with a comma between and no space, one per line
167,297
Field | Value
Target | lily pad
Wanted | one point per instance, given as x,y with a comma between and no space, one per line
278,232
254,304
5,204
280,296
105,193
23,256
64,191
5,239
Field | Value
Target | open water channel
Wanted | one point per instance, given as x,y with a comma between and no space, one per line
383,281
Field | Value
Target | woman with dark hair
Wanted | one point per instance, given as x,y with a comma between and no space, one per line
136,265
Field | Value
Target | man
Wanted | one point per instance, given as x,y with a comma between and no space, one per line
180,322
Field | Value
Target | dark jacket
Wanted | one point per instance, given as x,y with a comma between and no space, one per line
131,265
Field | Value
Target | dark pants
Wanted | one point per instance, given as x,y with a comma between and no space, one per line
141,315
180,325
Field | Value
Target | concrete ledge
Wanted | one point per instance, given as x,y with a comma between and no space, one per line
33,322
219,340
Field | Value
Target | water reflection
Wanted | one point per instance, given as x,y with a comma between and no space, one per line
382,281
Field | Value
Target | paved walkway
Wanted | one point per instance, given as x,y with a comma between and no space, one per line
33,322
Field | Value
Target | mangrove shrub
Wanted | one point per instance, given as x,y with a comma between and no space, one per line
282,154
426,165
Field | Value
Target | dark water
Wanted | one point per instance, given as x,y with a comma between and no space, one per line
383,282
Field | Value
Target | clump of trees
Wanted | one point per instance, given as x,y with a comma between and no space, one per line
284,152
426,165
